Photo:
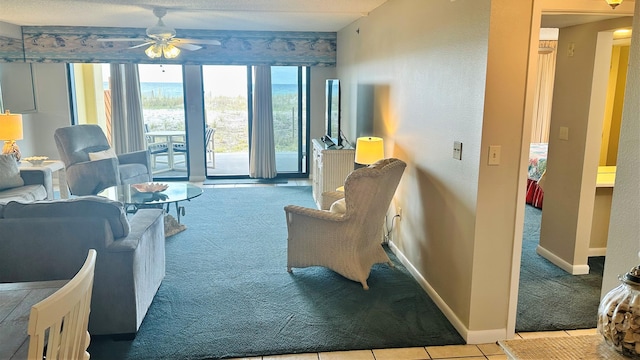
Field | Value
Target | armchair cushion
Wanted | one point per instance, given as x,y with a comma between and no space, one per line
86,206
9,172
91,177
339,206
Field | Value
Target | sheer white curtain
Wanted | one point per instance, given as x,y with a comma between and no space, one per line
544,91
126,109
262,159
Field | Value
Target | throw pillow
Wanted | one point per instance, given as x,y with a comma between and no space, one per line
105,154
9,172
339,206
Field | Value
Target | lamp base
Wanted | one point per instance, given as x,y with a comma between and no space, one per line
11,147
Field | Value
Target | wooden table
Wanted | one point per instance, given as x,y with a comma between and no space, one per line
16,300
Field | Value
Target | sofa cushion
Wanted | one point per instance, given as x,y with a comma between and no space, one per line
86,206
27,193
1,211
9,172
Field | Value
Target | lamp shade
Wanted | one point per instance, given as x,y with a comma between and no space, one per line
614,3
369,150
10,126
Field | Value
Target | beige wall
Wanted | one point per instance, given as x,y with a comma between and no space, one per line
624,229
52,102
579,101
428,63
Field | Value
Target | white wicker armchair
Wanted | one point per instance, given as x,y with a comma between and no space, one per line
349,243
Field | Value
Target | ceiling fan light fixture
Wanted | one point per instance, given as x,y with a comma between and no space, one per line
614,3
170,51
154,51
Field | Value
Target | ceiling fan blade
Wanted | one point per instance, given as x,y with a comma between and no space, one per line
141,45
189,47
197,41
122,39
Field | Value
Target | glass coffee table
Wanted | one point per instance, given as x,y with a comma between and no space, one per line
134,199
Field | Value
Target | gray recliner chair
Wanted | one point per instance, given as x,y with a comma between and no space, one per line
89,177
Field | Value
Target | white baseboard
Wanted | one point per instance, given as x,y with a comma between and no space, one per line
470,337
597,251
561,263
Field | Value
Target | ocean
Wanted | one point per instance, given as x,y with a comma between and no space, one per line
173,90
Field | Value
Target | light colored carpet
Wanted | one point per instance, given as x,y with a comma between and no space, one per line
584,347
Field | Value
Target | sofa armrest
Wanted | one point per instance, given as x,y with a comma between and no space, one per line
145,222
38,176
91,177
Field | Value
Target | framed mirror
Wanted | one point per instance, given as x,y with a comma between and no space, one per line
17,90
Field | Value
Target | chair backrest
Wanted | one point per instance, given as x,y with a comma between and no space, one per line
208,134
58,324
368,191
75,142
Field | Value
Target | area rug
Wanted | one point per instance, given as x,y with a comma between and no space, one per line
549,298
227,292
583,347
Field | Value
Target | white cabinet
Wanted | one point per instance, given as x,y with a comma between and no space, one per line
330,168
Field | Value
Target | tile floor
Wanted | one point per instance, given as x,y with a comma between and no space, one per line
467,352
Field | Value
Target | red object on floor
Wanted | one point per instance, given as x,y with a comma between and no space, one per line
534,194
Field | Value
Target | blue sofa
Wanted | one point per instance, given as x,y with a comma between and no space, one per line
49,240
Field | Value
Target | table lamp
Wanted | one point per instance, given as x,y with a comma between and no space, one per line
10,131
369,149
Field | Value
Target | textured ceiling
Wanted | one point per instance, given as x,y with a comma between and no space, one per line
273,15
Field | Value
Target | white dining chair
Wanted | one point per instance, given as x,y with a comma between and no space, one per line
58,324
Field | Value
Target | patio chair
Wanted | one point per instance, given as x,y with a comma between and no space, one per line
155,147
209,144
347,238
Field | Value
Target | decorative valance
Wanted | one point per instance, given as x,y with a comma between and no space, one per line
80,45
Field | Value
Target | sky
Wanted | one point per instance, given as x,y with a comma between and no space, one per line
217,80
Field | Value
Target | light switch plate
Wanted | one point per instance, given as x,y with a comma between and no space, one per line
494,154
457,150
564,133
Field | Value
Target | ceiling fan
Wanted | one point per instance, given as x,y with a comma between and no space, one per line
162,39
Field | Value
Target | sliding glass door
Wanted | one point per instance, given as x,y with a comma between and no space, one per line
161,89
227,114
288,92
227,90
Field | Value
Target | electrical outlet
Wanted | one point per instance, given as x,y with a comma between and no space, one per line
400,212
457,150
